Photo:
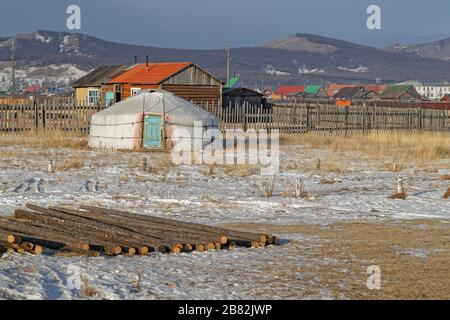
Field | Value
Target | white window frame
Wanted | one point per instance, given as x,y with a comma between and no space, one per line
134,90
92,100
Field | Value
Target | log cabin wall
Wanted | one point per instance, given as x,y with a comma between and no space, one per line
195,84
201,95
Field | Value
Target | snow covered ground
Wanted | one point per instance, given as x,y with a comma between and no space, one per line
353,189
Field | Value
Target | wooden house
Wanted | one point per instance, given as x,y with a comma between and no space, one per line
241,96
92,89
185,79
283,92
355,93
400,92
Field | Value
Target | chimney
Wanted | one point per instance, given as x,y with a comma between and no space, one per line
135,59
146,63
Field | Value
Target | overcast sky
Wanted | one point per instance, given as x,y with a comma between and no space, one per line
210,23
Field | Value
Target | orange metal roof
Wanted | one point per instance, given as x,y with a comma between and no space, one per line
154,74
284,90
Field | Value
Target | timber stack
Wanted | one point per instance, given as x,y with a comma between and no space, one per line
93,231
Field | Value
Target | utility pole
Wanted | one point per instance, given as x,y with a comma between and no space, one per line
228,61
13,60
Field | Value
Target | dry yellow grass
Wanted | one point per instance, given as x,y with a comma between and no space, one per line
400,145
399,195
87,289
392,245
72,164
447,193
45,139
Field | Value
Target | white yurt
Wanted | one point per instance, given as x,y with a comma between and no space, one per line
137,122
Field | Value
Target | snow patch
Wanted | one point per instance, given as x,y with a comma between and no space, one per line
42,38
359,69
272,70
305,70
70,45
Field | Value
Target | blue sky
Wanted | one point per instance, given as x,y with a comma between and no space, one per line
210,23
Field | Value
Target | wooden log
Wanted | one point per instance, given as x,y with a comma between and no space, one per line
169,240
6,237
95,235
97,244
160,231
189,225
199,247
149,242
26,247
44,236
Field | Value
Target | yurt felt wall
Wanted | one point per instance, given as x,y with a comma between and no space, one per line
121,125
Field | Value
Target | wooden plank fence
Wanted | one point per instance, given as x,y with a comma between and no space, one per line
330,119
48,114
70,115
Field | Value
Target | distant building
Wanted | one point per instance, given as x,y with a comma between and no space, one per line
92,89
33,90
355,93
241,96
314,91
400,92
185,79
433,92
333,88
283,92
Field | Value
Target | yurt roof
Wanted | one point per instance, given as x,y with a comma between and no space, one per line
159,102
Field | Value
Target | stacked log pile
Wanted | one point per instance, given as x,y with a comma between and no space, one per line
93,231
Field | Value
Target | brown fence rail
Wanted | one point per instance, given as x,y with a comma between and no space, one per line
51,114
70,115
327,118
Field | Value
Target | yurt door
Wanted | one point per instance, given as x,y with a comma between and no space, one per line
153,132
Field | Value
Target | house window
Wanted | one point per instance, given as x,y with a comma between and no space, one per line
117,88
93,96
134,91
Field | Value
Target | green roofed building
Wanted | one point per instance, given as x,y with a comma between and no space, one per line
314,91
231,83
400,92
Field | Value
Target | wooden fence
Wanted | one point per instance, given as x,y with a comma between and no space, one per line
302,118
51,114
68,115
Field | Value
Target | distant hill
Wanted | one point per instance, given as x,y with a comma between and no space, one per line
298,59
437,49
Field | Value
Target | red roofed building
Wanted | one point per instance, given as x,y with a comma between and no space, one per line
283,91
34,90
185,79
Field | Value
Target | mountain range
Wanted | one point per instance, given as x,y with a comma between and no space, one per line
61,57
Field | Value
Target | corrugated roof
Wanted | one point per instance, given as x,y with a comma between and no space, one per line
154,74
349,93
312,89
99,75
395,91
285,90
231,83
240,91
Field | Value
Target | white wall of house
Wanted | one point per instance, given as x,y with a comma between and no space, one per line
433,92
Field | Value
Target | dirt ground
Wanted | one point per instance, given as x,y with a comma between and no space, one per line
413,256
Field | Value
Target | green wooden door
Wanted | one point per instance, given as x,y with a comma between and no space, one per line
153,132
